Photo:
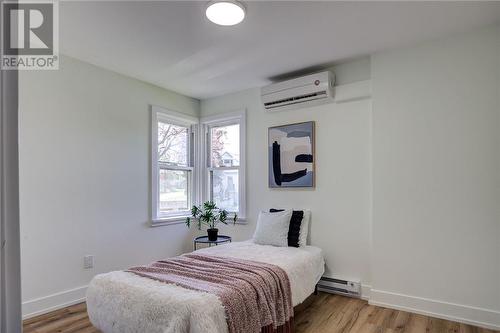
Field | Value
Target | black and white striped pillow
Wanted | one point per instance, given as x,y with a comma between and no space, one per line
294,228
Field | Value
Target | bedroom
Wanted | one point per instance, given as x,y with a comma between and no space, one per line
401,190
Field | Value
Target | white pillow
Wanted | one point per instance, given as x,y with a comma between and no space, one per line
272,228
304,227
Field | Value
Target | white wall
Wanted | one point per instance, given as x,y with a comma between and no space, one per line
436,149
84,179
340,203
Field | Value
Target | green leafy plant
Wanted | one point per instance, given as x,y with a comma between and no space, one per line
208,214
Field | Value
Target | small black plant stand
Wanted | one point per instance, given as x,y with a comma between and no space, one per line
204,240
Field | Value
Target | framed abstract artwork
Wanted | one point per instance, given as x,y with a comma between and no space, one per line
291,155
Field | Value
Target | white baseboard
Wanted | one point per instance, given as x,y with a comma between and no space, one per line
42,305
366,291
456,312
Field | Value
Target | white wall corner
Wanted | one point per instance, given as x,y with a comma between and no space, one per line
471,315
42,305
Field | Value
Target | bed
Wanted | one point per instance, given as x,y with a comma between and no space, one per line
124,302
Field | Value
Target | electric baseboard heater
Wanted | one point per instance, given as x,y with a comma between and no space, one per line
341,287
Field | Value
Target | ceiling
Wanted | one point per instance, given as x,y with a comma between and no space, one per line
173,45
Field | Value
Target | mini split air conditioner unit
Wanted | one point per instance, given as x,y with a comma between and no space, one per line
304,91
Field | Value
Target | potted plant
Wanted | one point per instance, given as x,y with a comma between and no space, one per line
210,215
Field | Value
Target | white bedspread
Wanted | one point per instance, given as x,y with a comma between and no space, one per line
123,302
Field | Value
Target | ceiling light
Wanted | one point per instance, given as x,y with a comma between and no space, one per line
225,12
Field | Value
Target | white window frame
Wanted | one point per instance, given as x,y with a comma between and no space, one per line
179,119
206,123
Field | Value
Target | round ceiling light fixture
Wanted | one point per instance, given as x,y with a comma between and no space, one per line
226,12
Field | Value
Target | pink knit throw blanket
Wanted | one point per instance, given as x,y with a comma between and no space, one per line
256,296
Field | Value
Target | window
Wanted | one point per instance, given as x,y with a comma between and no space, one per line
173,167
224,176
189,168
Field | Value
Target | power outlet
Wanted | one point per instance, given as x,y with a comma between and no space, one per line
88,262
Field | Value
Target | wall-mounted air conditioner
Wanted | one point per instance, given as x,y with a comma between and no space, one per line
304,91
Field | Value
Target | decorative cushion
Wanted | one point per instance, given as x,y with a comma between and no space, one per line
294,228
272,228
304,227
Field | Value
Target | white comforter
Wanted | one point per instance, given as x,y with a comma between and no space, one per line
123,302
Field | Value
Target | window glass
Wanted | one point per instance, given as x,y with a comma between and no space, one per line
225,189
173,191
173,144
225,146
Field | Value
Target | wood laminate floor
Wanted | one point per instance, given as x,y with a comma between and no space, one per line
323,313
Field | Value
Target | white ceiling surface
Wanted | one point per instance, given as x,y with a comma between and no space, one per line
173,45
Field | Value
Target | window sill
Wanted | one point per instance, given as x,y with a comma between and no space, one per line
241,220
162,221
